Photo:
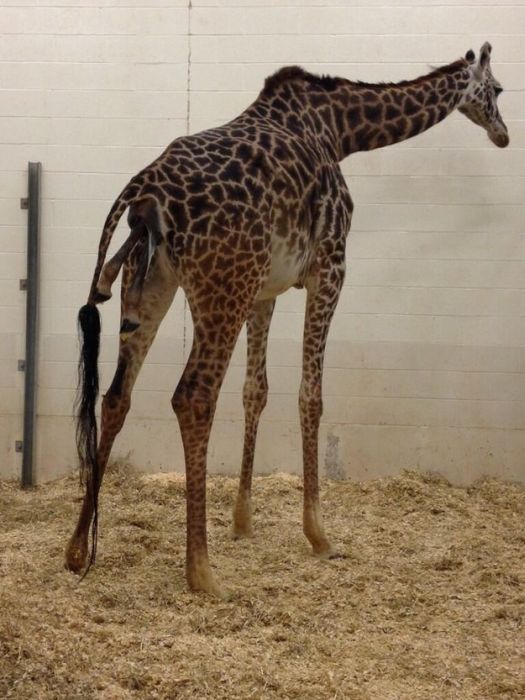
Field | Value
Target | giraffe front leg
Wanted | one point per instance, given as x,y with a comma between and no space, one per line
255,393
323,294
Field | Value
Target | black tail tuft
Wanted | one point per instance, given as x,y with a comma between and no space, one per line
86,427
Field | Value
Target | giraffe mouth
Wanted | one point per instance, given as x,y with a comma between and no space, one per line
499,138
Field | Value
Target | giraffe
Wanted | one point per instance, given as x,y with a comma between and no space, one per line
235,216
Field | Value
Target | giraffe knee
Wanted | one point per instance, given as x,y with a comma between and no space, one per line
193,400
310,399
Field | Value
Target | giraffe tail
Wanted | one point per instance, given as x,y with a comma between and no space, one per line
88,378
86,422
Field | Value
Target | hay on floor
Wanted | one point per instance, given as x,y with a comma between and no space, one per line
429,601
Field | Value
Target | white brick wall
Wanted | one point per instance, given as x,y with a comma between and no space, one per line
425,360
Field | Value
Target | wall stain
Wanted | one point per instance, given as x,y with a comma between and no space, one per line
333,464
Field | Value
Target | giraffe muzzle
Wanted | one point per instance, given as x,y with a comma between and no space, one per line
500,137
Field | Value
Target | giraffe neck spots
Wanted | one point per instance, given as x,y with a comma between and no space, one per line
344,116
380,115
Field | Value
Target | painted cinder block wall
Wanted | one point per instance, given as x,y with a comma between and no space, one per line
425,359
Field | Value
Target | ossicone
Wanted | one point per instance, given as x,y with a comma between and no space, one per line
484,55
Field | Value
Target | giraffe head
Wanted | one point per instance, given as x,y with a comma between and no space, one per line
480,100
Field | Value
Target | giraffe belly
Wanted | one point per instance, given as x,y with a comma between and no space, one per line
286,270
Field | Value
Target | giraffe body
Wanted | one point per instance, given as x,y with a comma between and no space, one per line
235,216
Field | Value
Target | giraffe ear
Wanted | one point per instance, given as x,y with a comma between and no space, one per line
470,56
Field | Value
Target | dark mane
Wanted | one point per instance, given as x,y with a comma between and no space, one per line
442,70
292,73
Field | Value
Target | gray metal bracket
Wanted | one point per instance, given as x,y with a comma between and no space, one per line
31,286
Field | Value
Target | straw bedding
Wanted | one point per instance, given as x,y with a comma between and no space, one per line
428,601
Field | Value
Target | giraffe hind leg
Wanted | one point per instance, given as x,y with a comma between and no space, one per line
131,295
112,268
218,317
143,253
194,404
115,406
142,258
255,393
156,300
144,222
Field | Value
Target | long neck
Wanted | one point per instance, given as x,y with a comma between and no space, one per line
364,116
343,117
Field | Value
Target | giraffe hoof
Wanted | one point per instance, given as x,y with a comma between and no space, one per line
242,520
330,554
322,549
336,555
76,555
212,589
200,578
242,526
242,533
